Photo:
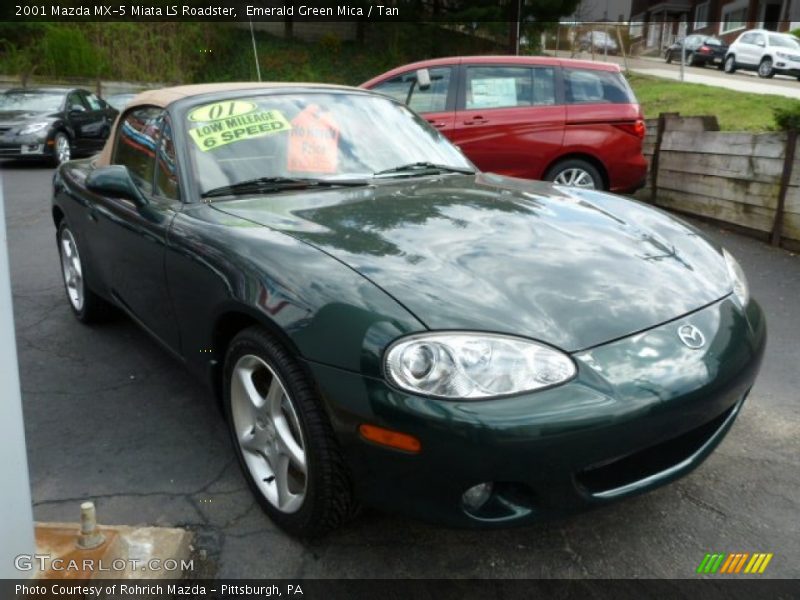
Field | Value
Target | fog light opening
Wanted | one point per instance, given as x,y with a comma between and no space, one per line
476,496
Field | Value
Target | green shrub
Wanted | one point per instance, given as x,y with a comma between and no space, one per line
788,118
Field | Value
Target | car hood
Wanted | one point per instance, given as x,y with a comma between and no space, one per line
572,268
20,117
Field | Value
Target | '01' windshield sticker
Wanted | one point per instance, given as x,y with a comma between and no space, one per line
239,128
221,110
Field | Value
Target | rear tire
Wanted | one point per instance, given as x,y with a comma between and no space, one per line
575,172
729,66
669,57
87,306
283,439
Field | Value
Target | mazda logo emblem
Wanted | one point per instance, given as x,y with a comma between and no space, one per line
691,336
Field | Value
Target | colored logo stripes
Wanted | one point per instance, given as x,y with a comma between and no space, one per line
736,562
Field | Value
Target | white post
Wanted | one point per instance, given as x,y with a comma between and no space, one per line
16,524
255,51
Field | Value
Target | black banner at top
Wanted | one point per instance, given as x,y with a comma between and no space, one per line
258,10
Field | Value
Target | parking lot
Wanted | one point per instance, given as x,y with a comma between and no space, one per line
112,417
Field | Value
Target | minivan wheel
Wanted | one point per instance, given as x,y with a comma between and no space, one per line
283,439
576,173
765,69
730,64
87,306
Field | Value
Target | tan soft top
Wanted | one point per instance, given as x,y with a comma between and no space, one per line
165,96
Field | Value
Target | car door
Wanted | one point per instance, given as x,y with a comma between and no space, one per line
747,50
132,239
509,118
81,121
99,121
434,103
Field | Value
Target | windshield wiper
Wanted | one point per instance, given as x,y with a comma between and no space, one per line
423,166
275,184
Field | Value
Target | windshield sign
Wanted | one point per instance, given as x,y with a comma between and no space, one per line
319,136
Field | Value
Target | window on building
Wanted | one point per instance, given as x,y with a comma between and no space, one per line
733,17
701,16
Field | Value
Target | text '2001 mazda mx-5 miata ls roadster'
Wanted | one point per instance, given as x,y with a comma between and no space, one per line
385,325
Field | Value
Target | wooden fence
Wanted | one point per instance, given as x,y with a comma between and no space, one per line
740,178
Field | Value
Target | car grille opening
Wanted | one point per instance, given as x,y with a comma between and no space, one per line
651,460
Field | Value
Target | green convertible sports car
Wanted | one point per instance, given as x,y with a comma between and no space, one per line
385,325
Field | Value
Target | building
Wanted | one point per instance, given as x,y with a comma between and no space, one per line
656,23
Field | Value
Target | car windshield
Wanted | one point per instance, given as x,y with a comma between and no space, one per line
31,101
784,41
326,136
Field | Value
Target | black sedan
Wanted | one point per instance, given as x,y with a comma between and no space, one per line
701,50
53,123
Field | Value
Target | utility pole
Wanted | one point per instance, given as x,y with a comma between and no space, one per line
255,52
16,526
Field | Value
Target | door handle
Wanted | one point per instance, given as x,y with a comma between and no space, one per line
476,120
438,124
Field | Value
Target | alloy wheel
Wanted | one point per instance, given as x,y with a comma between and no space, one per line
575,177
268,433
765,68
62,149
72,269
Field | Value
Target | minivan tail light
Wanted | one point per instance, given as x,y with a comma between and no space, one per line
636,128
705,50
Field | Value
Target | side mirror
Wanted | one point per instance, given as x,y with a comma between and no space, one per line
423,79
76,108
115,181
761,43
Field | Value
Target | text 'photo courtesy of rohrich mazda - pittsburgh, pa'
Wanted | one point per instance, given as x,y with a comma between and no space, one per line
302,299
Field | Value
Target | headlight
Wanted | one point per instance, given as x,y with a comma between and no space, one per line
738,279
33,128
474,365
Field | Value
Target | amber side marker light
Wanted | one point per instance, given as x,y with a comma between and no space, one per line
392,439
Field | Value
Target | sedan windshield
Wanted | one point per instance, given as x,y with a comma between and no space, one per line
273,142
31,101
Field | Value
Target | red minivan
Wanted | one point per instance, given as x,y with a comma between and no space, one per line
570,121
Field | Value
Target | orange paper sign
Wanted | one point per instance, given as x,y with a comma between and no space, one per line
313,143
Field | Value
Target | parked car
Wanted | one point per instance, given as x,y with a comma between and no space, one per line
570,121
386,325
119,101
701,50
52,123
766,52
600,41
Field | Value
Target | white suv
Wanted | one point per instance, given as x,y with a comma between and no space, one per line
767,52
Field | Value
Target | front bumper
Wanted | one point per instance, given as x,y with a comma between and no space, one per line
641,412
25,146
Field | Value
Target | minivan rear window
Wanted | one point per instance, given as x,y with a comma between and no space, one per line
583,86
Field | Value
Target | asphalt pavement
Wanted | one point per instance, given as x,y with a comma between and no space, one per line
111,417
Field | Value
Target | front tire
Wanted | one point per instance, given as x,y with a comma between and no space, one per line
62,149
87,306
575,173
729,65
283,438
765,70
